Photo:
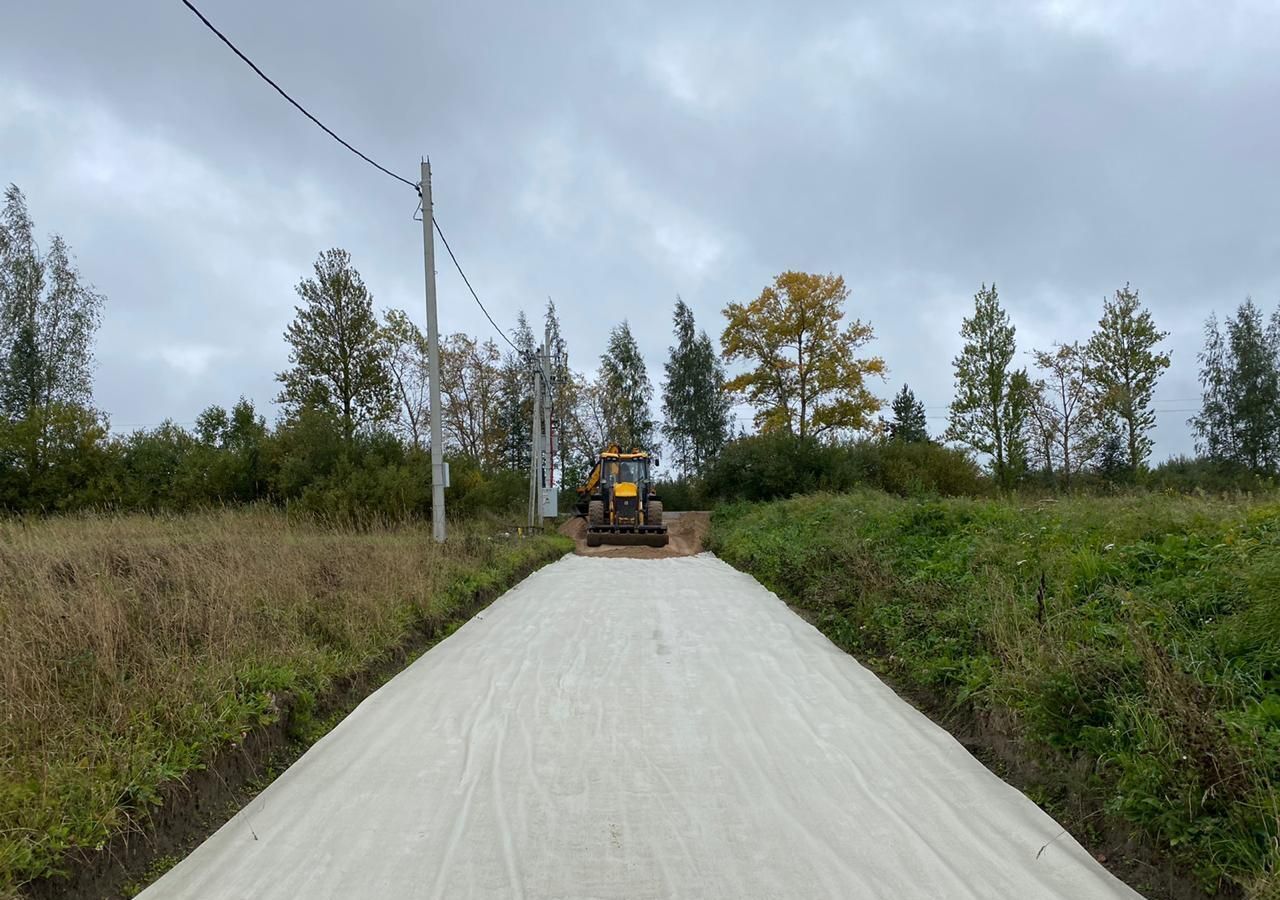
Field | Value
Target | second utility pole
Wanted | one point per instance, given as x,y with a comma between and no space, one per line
549,464
433,361
535,451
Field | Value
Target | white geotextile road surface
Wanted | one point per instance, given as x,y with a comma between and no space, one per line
624,728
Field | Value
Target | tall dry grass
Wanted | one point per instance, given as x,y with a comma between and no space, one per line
130,646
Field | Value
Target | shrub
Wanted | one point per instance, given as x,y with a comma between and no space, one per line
231,457
776,465
1185,475
682,493
474,490
920,467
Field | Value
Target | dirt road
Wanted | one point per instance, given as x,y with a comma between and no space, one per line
686,529
624,728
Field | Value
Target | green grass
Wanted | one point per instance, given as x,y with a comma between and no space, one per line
132,647
1150,662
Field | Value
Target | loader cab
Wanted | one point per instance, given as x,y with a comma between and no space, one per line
625,471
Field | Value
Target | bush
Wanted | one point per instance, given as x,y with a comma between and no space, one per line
1185,475
68,462
474,490
914,468
54,459
772,465
776,465
682,493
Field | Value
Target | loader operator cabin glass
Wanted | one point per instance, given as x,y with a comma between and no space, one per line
631,471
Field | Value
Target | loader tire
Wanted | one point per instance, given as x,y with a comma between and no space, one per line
595,514
654,514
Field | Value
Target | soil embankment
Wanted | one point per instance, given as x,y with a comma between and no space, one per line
687,530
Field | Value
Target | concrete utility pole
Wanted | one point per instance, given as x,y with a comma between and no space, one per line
433,361
535,452
549,460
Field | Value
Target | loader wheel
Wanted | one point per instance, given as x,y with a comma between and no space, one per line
654,514
595,514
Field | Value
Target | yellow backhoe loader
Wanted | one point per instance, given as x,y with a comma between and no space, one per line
619,502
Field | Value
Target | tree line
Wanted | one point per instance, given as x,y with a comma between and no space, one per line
352,434
352,431
1085,407
1082,406
1239,419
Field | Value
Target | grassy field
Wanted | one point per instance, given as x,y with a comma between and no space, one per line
1130,645
130,647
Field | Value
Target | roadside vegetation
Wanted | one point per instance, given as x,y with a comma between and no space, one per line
1133,642
195,570
133,647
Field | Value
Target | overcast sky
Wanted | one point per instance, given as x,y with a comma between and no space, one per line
614,155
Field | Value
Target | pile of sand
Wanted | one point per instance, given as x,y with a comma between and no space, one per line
687,531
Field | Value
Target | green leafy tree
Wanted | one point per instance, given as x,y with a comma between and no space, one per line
1253,389
158,472
1113,457
404,348
337,357
305,452
75,463
1213,424
807,378
694,403
1239,419
564,402
989,411
1063,412
48,320
228,460
1019,402
626,391
909,421
1043,424
1122,366
470,389
591,430
515,398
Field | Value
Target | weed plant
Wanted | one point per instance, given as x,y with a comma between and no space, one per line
1134,639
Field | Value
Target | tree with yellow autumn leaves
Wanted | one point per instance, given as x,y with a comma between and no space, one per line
807,378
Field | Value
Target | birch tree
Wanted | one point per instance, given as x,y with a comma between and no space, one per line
989,407
337,357
1123,364
807,376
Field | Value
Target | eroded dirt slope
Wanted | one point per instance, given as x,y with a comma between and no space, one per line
687,532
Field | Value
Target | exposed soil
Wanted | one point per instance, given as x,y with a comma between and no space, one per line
197,805
687,531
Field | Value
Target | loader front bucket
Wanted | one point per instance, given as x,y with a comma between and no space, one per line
642,536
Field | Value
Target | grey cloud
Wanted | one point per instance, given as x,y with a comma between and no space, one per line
615,155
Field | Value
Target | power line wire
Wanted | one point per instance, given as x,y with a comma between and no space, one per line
467,282
281,91
327,130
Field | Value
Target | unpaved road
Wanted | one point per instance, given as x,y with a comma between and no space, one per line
685,529
622,728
